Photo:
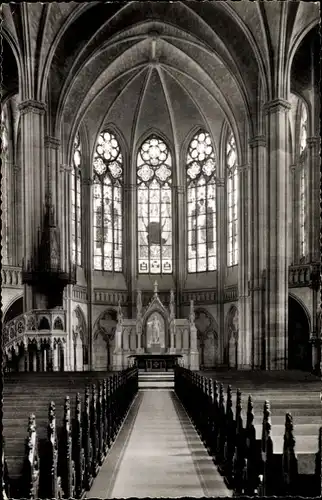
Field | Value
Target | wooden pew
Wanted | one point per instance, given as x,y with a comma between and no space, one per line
75,447
252,459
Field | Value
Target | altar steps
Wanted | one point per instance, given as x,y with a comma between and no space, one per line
156,380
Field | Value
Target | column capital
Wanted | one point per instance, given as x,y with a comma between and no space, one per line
16,168
129,187
180,189
276,105
220,181
314,140
65,168
293,167
32,106
243,168
257,141
52,142
87,181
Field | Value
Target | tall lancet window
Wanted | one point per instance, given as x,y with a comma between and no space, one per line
154,198
201,199
232,201
107,203
303,157
76,225
4,184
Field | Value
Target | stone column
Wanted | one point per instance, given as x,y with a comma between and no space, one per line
33,164
221,268
63,357
276,335
313,199
180,256
293,228
87,214
45,359
194,354
244,353
257,247
55,357
17,247
126,344
34,361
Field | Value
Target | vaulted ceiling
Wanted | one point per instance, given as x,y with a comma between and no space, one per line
150,65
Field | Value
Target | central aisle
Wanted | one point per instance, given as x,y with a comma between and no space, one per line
158,453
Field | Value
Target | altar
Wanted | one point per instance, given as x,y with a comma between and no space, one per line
155,339
155,362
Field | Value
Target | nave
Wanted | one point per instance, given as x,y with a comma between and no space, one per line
158,453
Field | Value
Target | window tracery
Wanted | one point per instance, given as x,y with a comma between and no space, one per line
232,201
107,203
76,226
201,203
154,205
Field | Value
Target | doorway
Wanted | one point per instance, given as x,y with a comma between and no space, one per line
299,347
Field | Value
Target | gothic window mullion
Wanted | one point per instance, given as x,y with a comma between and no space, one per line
232,201
108,167
154,172
201,175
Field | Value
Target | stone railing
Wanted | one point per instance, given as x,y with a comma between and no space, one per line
11,276
80,293
110,297
38,325
199,296
303,275
231,293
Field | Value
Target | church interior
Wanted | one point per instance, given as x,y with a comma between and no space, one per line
160,249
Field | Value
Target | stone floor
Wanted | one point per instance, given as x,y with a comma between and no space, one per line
158,453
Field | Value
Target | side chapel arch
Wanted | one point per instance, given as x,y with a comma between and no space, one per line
207,332
80,340
232,330
104,339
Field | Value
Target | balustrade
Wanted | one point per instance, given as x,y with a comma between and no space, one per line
36,336
11,276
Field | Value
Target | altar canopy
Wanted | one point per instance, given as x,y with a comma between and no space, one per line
156,331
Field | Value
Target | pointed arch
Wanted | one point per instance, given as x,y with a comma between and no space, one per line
154,174
108,174
201,175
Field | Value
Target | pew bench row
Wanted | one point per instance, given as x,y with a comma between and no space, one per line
60,451
258,458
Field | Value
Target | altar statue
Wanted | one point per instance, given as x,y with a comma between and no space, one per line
155,331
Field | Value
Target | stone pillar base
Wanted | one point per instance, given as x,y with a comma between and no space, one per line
194,361
118,361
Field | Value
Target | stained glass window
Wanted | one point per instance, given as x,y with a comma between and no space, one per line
303,156
232,201
201,199
154,196
76,226
4,183
107,203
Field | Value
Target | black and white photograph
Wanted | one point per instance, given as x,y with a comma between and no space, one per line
161,306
